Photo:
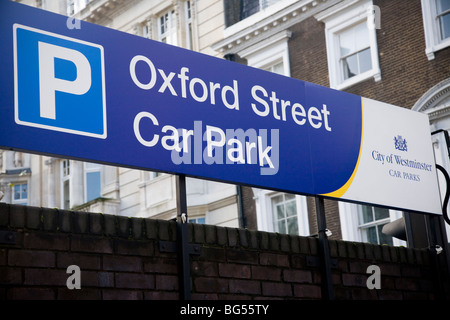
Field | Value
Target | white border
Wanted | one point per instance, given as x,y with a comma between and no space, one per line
346,15
16,93
432,34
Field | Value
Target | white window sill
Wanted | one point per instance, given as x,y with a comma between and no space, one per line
376,74
429,51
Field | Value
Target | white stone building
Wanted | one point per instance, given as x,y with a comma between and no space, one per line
37,180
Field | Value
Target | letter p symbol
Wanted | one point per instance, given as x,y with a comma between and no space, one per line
49,83
59,83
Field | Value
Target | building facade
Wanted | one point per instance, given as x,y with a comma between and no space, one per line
68,184
392,51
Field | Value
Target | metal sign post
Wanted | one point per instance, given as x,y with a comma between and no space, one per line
184,265
324,250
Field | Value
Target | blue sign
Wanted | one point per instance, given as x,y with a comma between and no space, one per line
101,95
59,82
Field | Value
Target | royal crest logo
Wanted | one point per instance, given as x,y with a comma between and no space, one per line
400,143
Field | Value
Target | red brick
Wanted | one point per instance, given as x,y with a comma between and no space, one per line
245,286
204,268
135,281
392,269
274,259
46,241
122,263
115,294
276,289
84,261
3,257
217,285
132,247
46,277
167,282
83,294
24,293
9,276
266,273
89,278
162,295
234,270
29,258
364,294
297,276
242,256
113,268
407,284
86,243
390,295
161,265
350,279
307,291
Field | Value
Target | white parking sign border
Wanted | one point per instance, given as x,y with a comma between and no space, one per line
37,124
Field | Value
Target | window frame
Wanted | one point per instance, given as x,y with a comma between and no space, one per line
363,226
433,41
66,177
197,220
349,217
283,203
189,24
264,211
269,52
21,200
348,15
75,6
170,35
90,167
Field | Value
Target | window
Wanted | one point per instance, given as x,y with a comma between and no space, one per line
436,22
271,54
167,30
277,67
66,168
199,220
281,212
66,174
154,175
443,18
361,223
150,175
74,6
20,195
188,10
92,181
70,7
250,7
372,220
18,159
284,210
352,50
145,30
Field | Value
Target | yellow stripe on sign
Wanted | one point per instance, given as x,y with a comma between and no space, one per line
340,192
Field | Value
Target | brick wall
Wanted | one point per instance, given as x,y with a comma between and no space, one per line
125,258
406,73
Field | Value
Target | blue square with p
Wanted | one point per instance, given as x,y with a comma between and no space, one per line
59,83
